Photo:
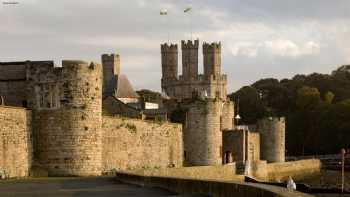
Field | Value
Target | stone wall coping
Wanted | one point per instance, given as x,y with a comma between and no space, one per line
164,182
14,107
140,120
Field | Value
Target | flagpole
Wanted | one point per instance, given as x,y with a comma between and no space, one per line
168,33
191,23
189,9
164,12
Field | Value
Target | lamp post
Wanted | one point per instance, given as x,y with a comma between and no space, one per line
237,118
342,152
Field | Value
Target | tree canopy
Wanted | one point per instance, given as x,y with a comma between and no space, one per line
316,107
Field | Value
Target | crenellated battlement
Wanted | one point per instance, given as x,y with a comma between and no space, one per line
110,56
72,64
189,44
212,47
184,86
168,48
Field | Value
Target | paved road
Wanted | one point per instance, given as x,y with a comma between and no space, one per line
72,187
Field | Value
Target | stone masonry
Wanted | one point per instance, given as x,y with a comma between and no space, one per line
200,97
15,142
67,117
63,131
272,139
130,144
190,83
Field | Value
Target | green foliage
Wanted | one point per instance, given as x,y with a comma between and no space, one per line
251,107
131,127
328,97
316,107
307,98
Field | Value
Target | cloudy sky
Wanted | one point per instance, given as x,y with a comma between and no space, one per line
260,38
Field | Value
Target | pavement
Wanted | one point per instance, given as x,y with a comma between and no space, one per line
75,187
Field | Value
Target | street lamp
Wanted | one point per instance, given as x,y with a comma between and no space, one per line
342,152
237,118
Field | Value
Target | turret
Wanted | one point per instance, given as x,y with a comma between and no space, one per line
202,134
111,67
189,59
67,109
169,61
272,139
212,59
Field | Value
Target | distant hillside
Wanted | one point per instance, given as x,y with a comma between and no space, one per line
317,108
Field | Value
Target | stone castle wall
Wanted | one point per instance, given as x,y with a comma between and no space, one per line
233,145
130,144
14,92
15,142
253,146
202,133
240,145
67,117
13,83
182,88
227,118
272,139
12,71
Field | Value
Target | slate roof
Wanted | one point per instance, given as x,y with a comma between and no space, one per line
122,87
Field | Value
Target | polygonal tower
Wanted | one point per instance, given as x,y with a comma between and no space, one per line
67,117
189,59
111,68
169,66
212,59
169,61
272,139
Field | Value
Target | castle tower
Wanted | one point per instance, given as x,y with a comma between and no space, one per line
189,59
67,118
111,67
169,61
272,139
202,134
212,59
169,66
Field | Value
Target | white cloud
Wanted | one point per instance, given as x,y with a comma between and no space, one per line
288,48
120,42
278,47
258,37
245,49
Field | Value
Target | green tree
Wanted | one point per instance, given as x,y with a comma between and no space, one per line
308,98
251,107
328,97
